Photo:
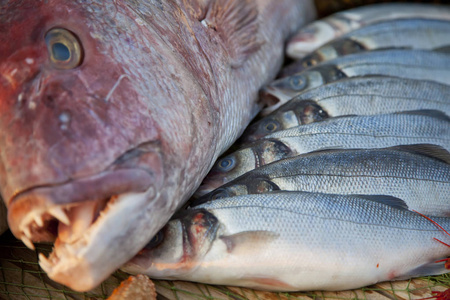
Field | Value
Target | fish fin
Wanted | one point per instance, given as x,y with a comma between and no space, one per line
432,268
427,112
237,242
385,199
433,151
444,49
268,283
236,22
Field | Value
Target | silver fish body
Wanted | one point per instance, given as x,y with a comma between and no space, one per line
290,241
403,33
371,131
412,64
422,181
353,96
320,32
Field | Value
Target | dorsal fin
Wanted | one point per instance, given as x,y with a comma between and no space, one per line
427,112
385,199
236,21
433,151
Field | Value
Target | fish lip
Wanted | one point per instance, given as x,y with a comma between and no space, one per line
99,186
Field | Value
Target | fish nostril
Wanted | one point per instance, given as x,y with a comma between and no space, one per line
64,119
49,101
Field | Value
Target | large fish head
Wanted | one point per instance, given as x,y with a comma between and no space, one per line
178,248
83,156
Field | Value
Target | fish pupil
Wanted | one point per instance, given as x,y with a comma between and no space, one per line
60,52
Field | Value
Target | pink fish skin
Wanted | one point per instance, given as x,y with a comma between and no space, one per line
112,112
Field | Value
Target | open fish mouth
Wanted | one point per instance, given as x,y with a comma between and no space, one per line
78,227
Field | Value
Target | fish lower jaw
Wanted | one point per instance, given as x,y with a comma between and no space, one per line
75,224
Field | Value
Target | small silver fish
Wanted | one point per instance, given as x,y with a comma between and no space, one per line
353,96
413,64
403,33
417,174
320,32
373,131
291,241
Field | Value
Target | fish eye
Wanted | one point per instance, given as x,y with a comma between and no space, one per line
156,240
309,62
270,126
64,49
297,82
219,194
226,164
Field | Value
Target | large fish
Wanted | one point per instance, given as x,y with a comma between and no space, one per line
114,111
320,32
417,174
413,64
403,33
290,241
372,131
353,96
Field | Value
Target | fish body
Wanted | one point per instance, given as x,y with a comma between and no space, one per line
403,33
371,131
320,32
291,241
353,96
413,64
422,181
113,112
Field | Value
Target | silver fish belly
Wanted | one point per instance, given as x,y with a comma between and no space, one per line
320,32
407,33
353,96
290,241
372,131
422,181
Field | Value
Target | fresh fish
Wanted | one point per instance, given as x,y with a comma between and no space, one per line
375,131
353,96
403,33
290,241
413,64
417,174
318,33
114,111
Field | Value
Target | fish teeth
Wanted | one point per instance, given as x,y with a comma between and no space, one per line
27,242
45,264
27,232
38,220
59,213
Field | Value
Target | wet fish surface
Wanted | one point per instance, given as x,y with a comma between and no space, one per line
114,111
371,131
290,241
320,32
422,181
413,64
403,33
353,96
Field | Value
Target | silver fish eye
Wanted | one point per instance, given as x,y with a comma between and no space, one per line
226,164
64,48
270,126
219,194
297,82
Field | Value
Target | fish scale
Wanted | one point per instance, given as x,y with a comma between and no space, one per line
423,182
307,241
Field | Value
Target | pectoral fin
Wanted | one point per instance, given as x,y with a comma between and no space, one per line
236,22
248,240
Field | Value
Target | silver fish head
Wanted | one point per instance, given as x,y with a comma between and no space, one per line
293,113
178,247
